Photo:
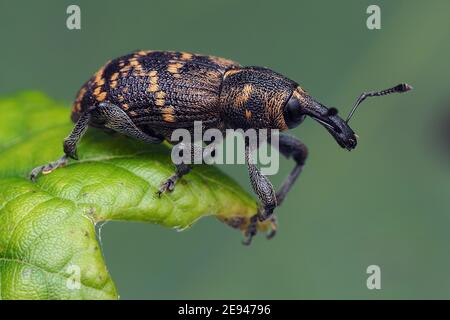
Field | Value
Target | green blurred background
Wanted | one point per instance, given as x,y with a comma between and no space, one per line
386,203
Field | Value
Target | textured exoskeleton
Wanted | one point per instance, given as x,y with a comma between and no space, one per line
148,94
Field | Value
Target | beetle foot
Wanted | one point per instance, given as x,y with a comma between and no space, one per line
46,169
251,230
168,185
273,227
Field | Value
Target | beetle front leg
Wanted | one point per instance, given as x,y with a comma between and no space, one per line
262,187
290,146
70,148
265,192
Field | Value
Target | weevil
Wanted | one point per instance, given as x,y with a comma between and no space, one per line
146,95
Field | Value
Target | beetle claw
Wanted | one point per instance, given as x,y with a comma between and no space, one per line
273,228
48,168
251,230
166,186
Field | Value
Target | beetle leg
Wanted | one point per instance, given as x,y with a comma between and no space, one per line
290,146
70,147
262,187
70,143
116,119
169,184
196,152
46,169
273,227
251,230
265,192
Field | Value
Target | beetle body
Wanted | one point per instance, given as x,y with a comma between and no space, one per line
148,94
161,91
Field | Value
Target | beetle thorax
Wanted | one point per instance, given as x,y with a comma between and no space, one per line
254,98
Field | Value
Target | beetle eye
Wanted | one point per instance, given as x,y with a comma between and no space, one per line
293,113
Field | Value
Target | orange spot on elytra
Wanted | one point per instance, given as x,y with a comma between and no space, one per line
160,102
186,56
134,62
167,114
97,91
77,104
153,80
98,79
168,118
141,53
160,95
173,67
153,88
101,96
114,76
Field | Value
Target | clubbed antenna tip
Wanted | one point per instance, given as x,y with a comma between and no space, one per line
402,87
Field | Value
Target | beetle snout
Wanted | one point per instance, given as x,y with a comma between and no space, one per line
334,124
344,135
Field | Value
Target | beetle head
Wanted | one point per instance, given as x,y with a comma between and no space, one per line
300,105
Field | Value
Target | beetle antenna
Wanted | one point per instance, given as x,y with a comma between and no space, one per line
402,87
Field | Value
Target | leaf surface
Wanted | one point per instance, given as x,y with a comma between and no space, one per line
47,228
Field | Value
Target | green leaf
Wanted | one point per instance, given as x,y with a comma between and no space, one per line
47,228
